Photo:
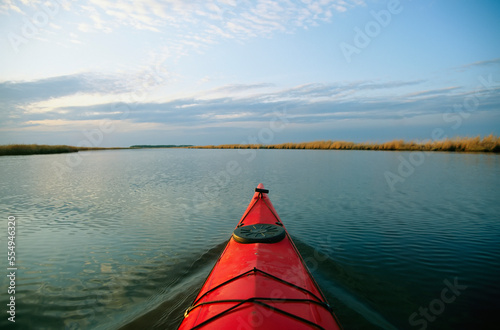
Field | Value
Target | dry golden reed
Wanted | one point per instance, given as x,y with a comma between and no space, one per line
490,143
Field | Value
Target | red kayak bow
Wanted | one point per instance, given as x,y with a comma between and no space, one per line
260,280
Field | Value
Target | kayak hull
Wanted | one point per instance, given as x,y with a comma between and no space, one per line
260,280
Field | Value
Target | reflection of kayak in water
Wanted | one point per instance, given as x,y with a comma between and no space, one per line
260,280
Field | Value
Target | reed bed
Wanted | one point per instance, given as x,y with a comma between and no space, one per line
36,149
490,143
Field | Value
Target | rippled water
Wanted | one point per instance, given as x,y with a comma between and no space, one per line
125,238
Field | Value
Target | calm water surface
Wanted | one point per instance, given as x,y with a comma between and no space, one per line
124,239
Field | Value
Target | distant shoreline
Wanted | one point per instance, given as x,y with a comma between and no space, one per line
155,146
489,144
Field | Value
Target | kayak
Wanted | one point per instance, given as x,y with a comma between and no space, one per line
260,281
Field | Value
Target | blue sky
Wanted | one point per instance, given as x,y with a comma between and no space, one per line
118,73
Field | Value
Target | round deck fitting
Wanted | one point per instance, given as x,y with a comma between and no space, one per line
259,233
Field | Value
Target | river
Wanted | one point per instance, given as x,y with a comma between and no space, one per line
125,238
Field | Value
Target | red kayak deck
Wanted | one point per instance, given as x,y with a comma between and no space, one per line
260,280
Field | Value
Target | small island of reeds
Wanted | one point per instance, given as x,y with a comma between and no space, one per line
490,143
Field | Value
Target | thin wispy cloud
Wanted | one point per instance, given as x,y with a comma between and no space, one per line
238,88
433,93
493,62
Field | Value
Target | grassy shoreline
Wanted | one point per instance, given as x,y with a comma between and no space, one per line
42,149
160,146
490,143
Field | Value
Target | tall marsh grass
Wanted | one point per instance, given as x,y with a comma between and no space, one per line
33,149
490,143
